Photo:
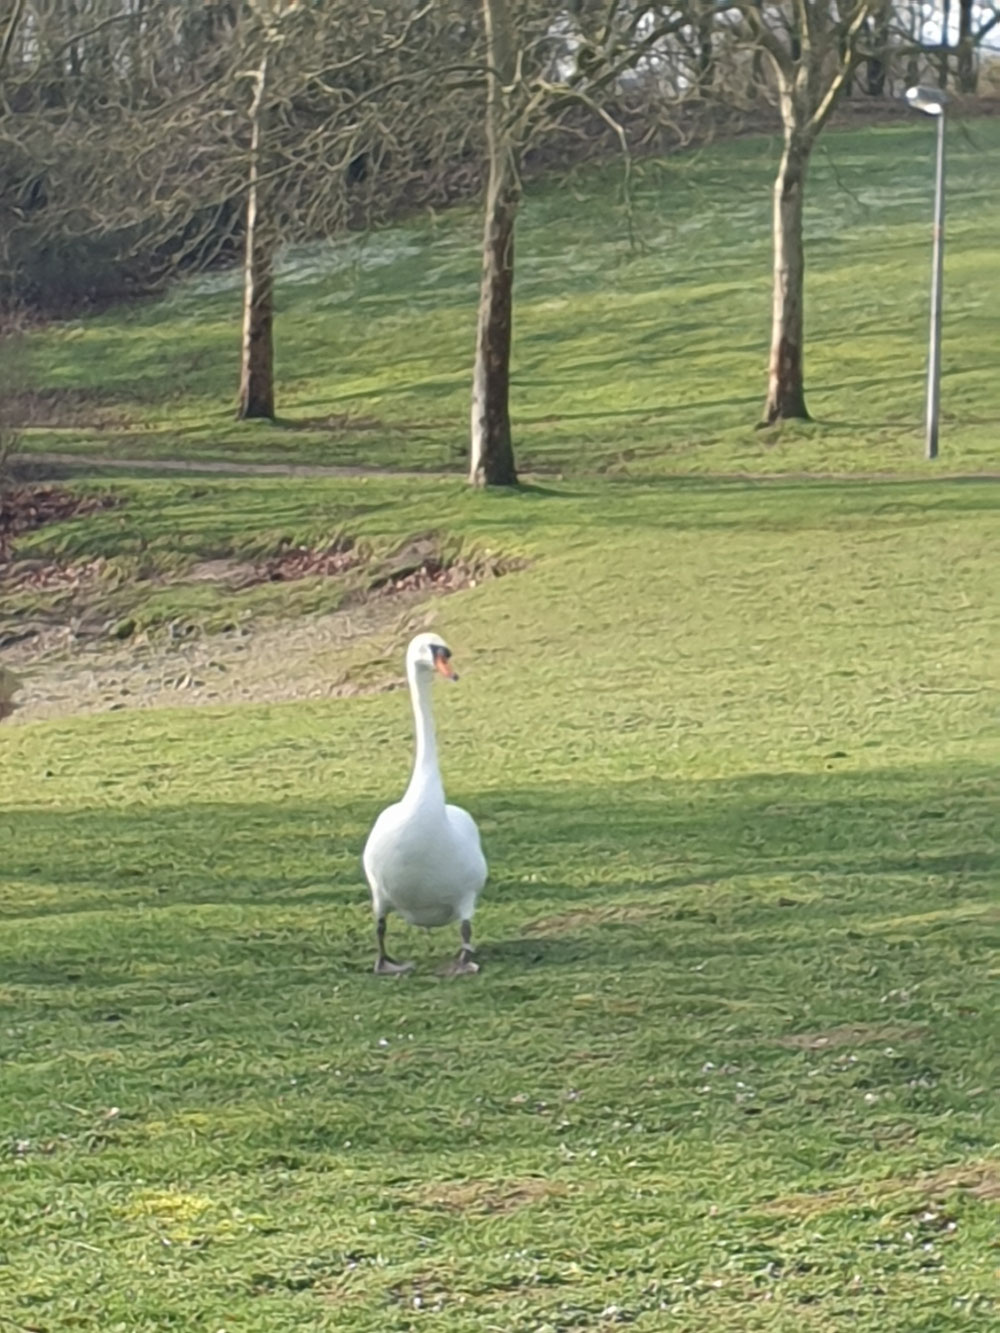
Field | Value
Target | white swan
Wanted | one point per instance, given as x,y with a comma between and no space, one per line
423,858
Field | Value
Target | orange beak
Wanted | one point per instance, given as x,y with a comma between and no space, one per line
443,664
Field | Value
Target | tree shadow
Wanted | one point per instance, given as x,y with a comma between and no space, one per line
595,874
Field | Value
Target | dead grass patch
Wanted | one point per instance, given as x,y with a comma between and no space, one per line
851,1034
25,508
94,595
585,918
489,1196
336,556
980,1179
52,576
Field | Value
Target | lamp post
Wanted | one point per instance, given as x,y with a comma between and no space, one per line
931,101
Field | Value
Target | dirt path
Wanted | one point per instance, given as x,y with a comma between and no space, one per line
27,466
330,656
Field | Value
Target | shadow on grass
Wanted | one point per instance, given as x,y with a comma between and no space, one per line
574,869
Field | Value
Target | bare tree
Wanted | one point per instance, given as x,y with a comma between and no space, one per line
539,70
975,23
878,41
115,145
163,136
812,47
257,353
492,455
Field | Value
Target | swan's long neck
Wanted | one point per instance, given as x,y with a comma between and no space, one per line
425,782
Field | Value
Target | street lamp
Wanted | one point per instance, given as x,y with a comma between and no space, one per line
931,101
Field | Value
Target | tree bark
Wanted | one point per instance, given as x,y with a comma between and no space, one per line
944,49
491,460
877,64
786,384
706,52
965,72
257,361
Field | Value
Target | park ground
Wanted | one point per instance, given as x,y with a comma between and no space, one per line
727,718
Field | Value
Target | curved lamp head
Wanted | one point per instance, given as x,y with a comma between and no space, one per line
931,101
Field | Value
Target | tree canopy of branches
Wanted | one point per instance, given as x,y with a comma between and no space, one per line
137,138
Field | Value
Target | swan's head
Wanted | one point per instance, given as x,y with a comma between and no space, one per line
429,652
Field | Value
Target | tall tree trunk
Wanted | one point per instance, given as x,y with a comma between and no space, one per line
758,78
944,48
877,65
257,361
966,70
706,53
786,385
491,460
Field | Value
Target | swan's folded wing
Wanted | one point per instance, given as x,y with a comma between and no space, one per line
465,831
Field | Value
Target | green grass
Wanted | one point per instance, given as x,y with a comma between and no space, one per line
731,1062
638,361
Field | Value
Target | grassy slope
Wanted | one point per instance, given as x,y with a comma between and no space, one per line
732,747
733,750
632,361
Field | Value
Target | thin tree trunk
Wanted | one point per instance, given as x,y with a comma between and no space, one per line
875,74
706,53
877,65
944,49
758,79
257,361
966,69
786,386
491,460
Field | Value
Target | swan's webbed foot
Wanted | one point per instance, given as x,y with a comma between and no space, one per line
464,965
388,967
384,965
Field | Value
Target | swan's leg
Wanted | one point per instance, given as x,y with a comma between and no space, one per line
464,964
384,965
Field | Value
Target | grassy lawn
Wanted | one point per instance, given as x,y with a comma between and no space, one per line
731,1062
635,361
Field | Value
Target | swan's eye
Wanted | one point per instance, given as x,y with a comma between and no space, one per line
439,651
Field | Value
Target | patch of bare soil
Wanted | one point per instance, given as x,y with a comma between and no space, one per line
337,556
312,658
73,667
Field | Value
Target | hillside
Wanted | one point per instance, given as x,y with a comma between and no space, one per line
646,359
730,739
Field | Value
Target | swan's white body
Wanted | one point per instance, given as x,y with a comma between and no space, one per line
423,858
424,861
